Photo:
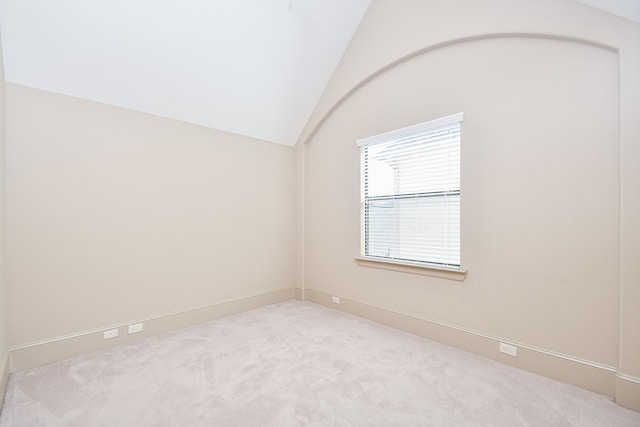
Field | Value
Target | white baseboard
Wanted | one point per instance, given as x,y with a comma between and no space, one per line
628,391
63,347
4,376
572,370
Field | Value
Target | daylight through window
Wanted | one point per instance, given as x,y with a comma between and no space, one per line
410,182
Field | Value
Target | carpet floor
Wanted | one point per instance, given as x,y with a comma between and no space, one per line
295,364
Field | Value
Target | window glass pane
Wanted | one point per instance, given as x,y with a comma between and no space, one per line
411,195
415,229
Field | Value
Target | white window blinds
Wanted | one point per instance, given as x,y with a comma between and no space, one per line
410,180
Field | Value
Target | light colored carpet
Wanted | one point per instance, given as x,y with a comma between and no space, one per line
295,364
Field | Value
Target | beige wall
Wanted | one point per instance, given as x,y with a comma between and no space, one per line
549,141
4,352
115,216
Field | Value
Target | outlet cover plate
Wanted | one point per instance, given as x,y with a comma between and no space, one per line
134,329
111,333
511,350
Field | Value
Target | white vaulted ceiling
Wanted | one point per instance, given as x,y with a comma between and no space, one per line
629,9
252,67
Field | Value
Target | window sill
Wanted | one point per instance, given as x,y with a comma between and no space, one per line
406,267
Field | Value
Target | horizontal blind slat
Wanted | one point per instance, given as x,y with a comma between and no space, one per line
411,195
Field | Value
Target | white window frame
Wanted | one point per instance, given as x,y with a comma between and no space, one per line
449,270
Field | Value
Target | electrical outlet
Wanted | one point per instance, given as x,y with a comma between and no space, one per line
336,300
509,349
133,329
111,333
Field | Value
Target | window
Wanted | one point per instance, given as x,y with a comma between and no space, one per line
410,182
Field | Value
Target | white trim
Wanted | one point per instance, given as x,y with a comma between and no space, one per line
629,378
306,139
299,292
4,376
139,320
498,339
412,268
411,130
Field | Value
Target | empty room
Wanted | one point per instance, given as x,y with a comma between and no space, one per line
328,213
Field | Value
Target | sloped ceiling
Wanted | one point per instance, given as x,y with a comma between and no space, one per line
629,9
252,67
